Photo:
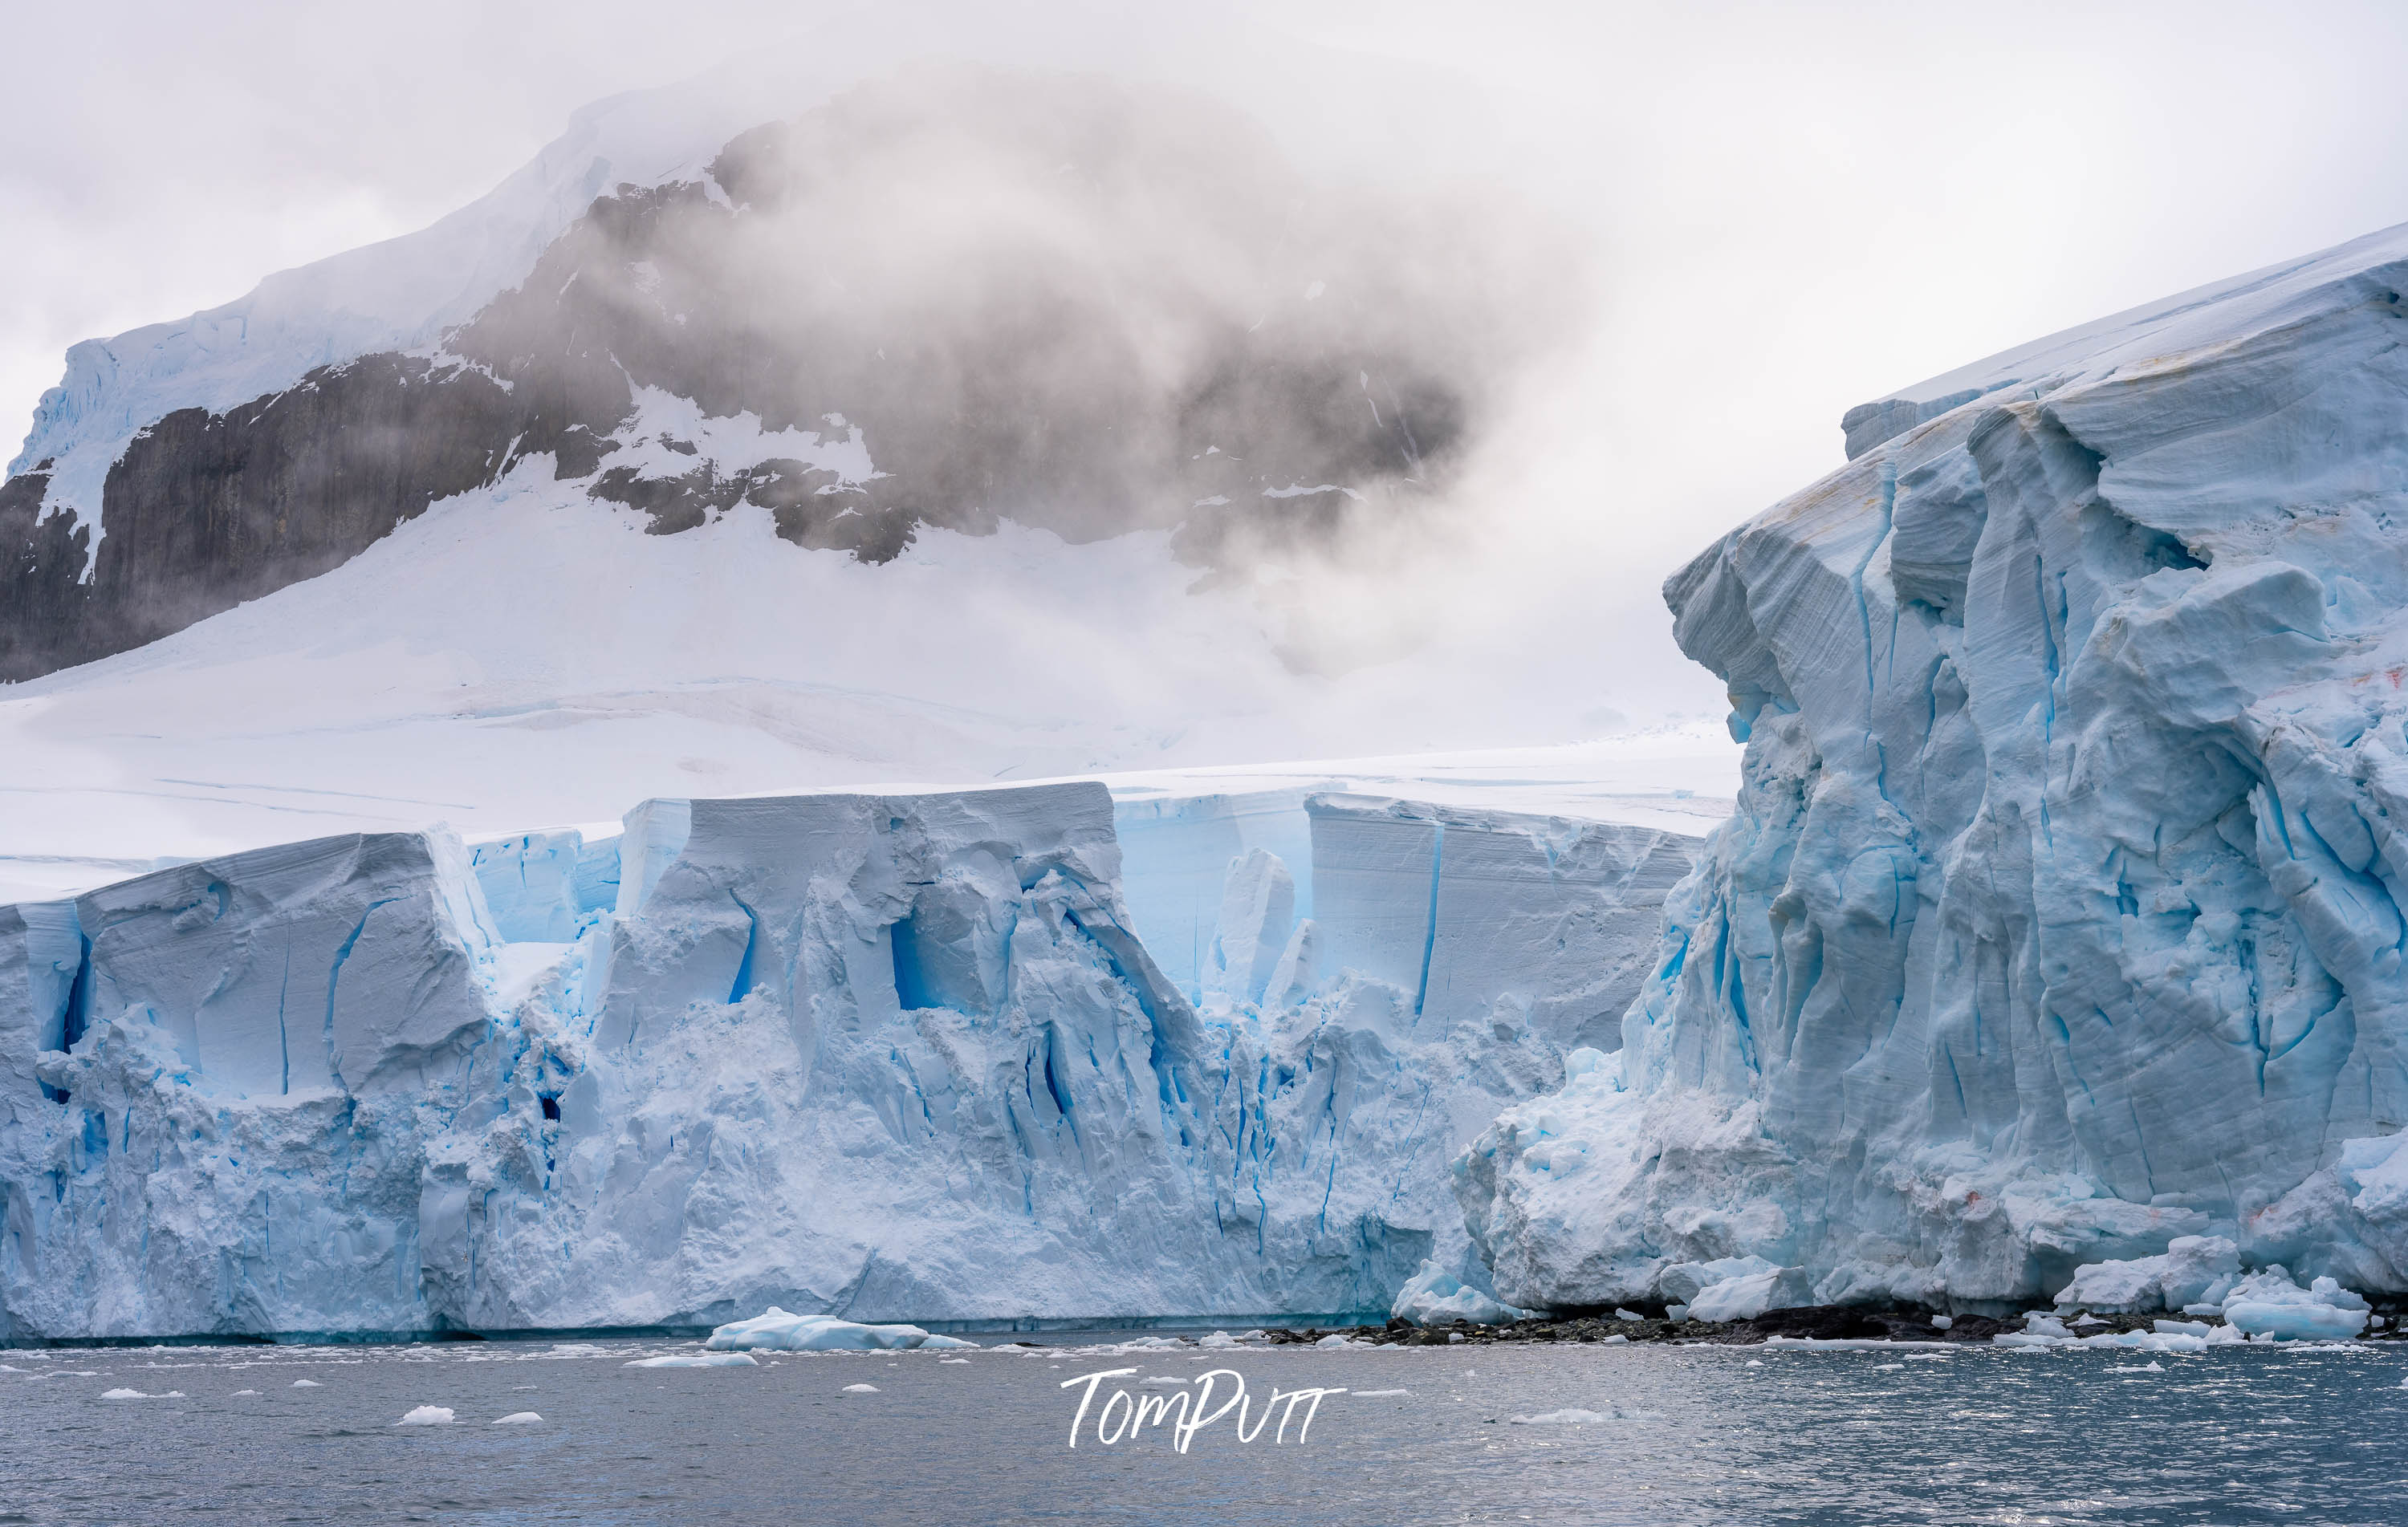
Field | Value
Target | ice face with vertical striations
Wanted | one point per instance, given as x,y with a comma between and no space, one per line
2060,916
878,1057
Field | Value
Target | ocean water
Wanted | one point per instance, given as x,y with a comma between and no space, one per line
1678,1435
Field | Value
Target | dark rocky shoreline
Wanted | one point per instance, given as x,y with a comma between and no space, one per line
1845,1322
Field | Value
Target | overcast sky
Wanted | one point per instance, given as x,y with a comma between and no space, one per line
1791,207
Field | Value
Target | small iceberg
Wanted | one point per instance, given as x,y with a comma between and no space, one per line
521,1418
138,1395
774,1330
307,1383
861,1388
427,1415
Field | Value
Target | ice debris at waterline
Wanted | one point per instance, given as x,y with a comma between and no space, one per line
774,1330
1434,1296
882,1057
2061,919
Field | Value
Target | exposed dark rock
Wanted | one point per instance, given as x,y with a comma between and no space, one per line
1016,377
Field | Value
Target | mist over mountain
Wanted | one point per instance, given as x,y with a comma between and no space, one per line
949,297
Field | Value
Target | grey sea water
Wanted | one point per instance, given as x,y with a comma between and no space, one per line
1687,1435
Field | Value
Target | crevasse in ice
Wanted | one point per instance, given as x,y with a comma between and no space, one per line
2060,918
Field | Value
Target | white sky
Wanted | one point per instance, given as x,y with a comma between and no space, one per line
1795,207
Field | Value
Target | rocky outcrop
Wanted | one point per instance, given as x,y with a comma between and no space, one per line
924,303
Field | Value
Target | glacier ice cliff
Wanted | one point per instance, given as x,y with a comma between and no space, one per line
875,1057
2060,917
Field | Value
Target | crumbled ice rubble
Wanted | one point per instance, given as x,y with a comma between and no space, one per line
698,1360
774,1330
426,1416
2193,1269
2266,1306
1434,1296
1734,1288
2059,917
2201,1276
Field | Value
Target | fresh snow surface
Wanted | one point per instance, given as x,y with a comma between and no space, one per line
521,657
2059,924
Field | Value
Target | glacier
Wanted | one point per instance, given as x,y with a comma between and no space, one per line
883,1058
2059,922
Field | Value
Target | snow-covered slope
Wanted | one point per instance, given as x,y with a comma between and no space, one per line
510,660
398,296
882,1056
2061,915
944,298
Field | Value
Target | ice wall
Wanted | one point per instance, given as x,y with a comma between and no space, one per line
1543,922
1176,851
885,1057
2060,914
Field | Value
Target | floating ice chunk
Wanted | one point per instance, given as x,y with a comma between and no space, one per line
946,1362
2145,1367
1559,1418
774,1330
240,1393
1218,1340
427,1415
1380,1394
307,1383
1333,1339
1434,1296
698,1360
138,1395
2192,1269
861,1388
519,1418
